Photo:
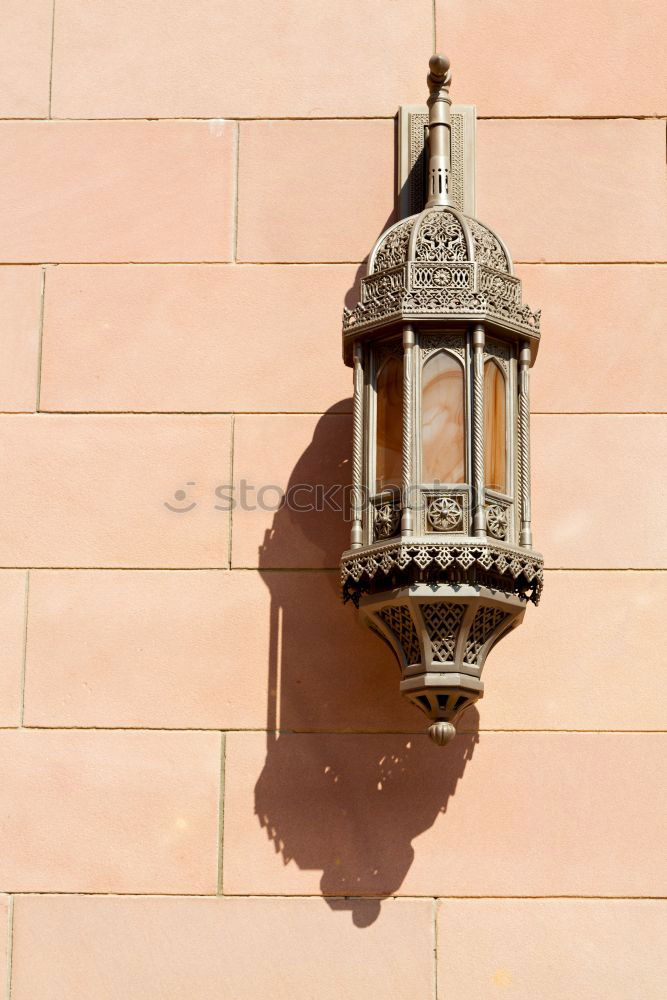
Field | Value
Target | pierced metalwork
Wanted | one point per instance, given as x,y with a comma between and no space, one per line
442,276
485,623
441,238
438,571
488,248
500,352
440,262
399,621
393,248
513,570
438,341
443,622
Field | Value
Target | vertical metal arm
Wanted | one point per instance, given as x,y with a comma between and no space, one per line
525,533
407,525
356,533
439,132
478,484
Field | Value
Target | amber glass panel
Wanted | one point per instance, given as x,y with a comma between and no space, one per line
389,424
495,420
443,420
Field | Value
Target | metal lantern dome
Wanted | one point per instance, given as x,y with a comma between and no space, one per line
441,564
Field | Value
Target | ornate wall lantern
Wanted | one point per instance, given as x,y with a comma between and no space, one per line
441,564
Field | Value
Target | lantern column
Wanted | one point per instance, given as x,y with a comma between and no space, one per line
478,485
525,533
407,523
356,533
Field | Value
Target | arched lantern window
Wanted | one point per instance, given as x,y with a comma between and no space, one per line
441,563
495,427
389,423
443,419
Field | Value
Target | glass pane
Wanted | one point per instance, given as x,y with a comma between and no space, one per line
495,449
443,420
389,424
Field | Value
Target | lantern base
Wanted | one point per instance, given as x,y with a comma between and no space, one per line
441,635
443,697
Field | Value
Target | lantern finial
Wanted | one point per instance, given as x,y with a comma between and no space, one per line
440,74
439,131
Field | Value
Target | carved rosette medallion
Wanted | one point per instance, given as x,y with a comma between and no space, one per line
386,520
496,521
444,514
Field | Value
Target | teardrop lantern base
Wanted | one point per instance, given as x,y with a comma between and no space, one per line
441,635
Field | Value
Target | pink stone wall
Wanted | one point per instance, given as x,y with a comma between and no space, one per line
187,191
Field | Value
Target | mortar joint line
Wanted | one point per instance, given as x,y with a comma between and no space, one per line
221,811
25,648
302,263
40,340
10,946
235,195
435,948
53,35
259,118
232,433
640,898
283,731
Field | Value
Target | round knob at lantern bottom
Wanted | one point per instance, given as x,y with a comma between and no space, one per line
442,733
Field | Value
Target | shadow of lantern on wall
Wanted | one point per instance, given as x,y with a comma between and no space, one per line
441,564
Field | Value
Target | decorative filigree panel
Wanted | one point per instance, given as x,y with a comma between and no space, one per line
438,341
521,570
384,301
418,159
443,622
387,349
393,249
440,238
376,311
501,287
501,352
378,286
484,624
457,150
437,301
488,249
441,276
399,620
